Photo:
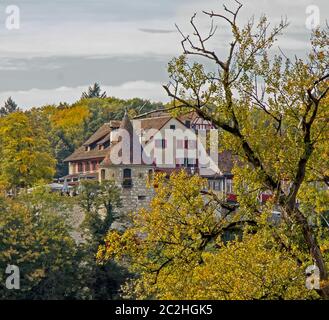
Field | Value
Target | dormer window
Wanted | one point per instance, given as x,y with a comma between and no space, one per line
87,148
101,147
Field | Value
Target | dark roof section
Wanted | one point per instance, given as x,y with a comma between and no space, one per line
82,154
154,123
99,134
126,124
107,138
103,131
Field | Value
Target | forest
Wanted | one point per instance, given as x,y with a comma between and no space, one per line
37,227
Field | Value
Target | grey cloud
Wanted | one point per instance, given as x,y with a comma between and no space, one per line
115,42
48,12
54,72
159,31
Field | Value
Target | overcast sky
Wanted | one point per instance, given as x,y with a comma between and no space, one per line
62,46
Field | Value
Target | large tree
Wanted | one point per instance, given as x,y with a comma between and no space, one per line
271,111
179,248
99,201
9,107
94,91
35,236
25,156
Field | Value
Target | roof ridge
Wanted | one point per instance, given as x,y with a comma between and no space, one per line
166,116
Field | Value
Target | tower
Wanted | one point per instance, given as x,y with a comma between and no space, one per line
129,175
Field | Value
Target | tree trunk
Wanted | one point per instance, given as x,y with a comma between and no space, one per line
315,252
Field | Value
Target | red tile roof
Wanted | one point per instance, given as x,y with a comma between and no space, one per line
103,135
81,153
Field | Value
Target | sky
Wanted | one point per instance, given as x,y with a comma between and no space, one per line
63,46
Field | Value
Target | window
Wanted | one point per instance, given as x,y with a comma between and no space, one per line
172,127
150,175
80,167
216,185
191,144
163,143
94,165
92,146
141,198
188,123
87,166
126,173
127,181
229,186
180,144
103,174
189,162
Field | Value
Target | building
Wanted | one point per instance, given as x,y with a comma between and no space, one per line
84,163
131,151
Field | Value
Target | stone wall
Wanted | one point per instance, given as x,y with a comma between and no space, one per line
134,198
